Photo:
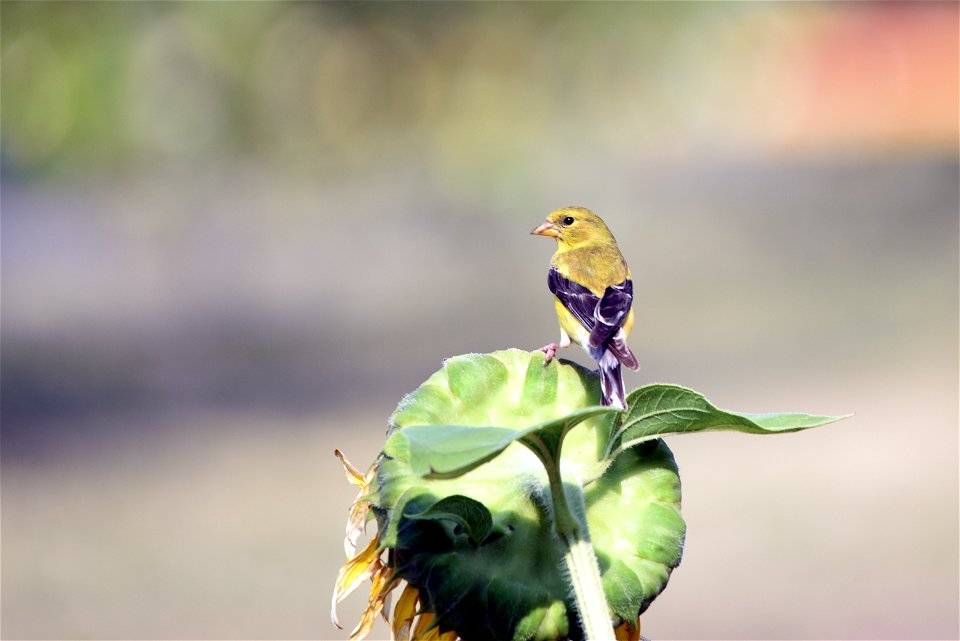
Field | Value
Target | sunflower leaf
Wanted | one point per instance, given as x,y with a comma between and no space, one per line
660,410
449,451
470,515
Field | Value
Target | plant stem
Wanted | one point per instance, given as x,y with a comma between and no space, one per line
578,555
587,588
564,521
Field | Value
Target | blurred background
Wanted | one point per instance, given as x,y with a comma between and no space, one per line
235,234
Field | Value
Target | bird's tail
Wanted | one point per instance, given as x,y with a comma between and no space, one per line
611,380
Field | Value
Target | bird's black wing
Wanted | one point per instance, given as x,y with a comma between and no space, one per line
611,311
578,300
602,317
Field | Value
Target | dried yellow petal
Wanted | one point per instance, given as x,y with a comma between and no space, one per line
355,526
405,612
353,573
379,592
422,626
353,474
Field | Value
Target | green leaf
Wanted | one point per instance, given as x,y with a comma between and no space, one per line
471,515
660,410
449,451
789,422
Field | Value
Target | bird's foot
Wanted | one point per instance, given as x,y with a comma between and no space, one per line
550,350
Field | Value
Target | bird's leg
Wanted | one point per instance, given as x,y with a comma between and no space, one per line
550,349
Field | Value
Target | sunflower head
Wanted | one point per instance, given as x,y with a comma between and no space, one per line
474,555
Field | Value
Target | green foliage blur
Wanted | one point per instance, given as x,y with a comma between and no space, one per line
475,89
102,87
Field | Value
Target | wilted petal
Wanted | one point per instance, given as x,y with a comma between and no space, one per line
353,474
405,612
355,526
384,581
353,573
370,613
423,626
361,506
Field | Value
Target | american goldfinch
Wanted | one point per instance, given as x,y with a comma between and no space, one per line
594,295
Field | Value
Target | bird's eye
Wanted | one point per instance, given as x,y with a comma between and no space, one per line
568,220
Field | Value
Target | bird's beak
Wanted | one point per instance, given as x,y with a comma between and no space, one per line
546,229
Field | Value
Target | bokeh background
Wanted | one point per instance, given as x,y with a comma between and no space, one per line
235,234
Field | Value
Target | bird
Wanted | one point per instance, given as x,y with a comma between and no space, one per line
593,292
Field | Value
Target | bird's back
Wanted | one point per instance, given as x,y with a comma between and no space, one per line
595,267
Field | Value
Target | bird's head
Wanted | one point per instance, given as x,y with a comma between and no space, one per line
574,227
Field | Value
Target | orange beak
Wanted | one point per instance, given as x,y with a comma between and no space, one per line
546,229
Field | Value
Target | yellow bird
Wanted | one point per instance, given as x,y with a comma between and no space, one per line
594,295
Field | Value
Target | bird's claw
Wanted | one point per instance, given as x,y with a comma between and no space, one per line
549,350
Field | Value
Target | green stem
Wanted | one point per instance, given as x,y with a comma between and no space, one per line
565,523
578,555
588,588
